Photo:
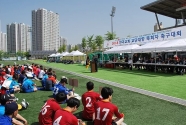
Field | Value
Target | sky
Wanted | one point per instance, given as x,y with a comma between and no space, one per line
82,18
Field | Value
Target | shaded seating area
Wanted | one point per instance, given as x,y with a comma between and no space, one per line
164,56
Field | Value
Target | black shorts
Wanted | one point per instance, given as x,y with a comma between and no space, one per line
113,123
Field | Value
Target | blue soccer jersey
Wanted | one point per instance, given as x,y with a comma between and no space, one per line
60,88
27,84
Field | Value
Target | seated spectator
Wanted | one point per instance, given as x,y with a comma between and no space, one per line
88,100
14,86
31,74
46,114
6,84
43,81
60,87
37,71
41,73
6,99
105,110
64,116
11,111
21,77
50,82
28,85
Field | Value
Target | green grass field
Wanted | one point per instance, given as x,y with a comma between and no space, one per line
168,84
138,109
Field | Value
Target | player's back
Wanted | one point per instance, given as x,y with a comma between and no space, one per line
47,112
104,112
26,83
64,117
88,100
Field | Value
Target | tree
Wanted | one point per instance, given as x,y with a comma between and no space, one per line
99,41
6,54
75,48
90,41
1,54
62,48
26,54
110,36
20,53
94,46
84,43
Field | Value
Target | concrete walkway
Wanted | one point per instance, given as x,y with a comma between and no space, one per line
141,91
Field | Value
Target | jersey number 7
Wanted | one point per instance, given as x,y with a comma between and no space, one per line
105,115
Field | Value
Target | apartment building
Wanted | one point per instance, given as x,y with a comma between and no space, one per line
18,38
3,42
45,30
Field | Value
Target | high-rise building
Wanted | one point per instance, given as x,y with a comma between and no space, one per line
3,42
80,48
70,47
45,30
18,38
156,27
63,41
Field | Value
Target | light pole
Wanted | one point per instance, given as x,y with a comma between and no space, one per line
112,15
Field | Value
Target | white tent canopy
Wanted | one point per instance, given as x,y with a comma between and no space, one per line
57,54
122,49
148,47
52,55
64,53
173,45
75,53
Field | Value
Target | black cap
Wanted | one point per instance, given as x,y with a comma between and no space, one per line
10,108
7,97
64,80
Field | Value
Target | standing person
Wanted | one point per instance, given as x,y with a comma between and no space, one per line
11,111
96,63
65,116
105,110
87,62
88,99
46,114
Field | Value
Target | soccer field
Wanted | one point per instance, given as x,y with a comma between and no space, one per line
168,84
138,109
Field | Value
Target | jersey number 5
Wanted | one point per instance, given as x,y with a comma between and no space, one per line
105,115
44,109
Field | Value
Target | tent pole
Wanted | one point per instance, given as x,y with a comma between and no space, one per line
155,59
102,57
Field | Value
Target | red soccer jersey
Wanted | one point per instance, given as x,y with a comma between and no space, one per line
52,78
104,112
22,68
64,117
34,69
47,112
88,100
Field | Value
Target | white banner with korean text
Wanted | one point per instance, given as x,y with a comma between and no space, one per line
175,33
